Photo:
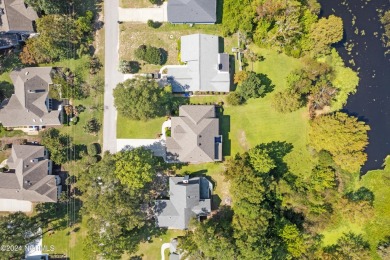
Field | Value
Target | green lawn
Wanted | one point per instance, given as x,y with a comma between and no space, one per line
152,250
257,122
69,241
375,226
76,131
127,128
135,3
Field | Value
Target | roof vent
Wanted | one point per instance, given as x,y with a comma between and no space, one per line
35,160
186,179
26,73
33,120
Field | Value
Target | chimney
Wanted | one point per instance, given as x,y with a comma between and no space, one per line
186,179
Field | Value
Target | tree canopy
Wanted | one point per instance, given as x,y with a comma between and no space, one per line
59,145
342,136
142,98
136,168
56,34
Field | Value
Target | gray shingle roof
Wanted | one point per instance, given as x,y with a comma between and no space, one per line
193,135
205,68
17,17
28,106
192,11
186,201
28,179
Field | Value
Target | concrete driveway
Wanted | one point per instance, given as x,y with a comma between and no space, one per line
142,15
15,205
156,145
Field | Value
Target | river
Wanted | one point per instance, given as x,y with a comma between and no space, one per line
371,103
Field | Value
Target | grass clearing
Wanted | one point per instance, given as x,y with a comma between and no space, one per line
133,35
152,250
69,241
135,3
127,128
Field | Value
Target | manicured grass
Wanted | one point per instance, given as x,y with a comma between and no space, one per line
133,35
257,122
69,241
132,129
152,250
135,3
77,132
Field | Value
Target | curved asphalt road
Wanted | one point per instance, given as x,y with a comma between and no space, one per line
111,74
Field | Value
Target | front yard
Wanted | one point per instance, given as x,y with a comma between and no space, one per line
166,37
135,3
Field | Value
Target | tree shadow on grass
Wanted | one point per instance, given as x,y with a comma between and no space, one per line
164,56
267,82
277,151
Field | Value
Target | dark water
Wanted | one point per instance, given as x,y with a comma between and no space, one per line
371,103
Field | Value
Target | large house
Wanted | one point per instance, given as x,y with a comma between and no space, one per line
31,109
192,11
29,176
195,135
16,17
204,69
188,198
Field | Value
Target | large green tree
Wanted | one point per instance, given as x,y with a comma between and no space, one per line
59,36
136,168
342,136
16,231
59,145
142,98
113,212
212,239
255,86
326,31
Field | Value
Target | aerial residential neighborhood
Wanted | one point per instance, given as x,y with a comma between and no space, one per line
194,129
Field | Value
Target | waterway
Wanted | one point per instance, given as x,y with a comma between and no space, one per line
371,103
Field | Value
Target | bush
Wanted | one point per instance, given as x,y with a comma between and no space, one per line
93,149
153,24
235,99
362,194
286,101
74,120
129,66
92,126
150,54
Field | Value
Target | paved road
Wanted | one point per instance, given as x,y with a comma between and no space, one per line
112,76
144,14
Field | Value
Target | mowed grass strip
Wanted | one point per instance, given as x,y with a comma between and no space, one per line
133,129
135,3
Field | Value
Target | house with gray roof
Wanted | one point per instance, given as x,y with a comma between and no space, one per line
31,109
16,17
195,135
29,176
192,11
204,69
188,198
